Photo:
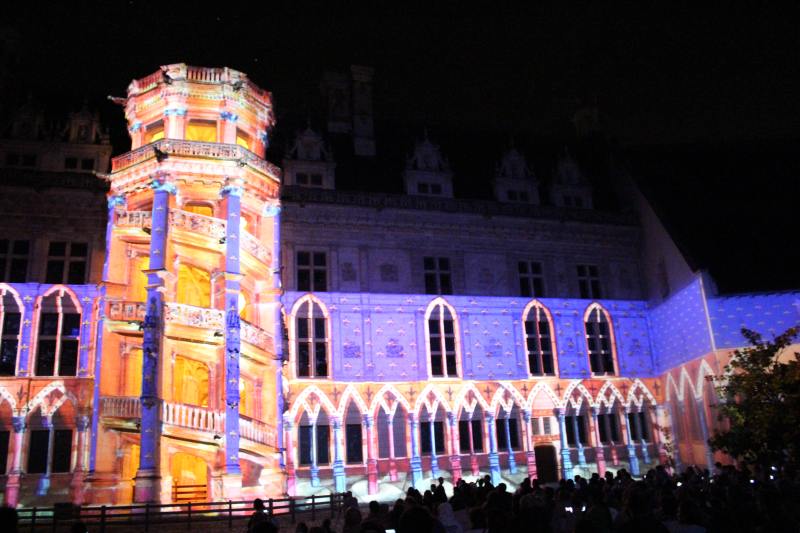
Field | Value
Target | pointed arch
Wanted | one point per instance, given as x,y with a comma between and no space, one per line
442,340
58,329
41,397
350,393
12,317
703,371
576,394
540,342
545,389
431,398
309,337
7,396
601,345
609,400
505,397
633,399
305,402
379,401
465,403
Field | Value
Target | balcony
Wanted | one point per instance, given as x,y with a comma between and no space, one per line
125,311
257,337
195,149
196,317
186,416
256,248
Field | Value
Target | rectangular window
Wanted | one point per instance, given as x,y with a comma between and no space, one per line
546,429
535,426
14,260
463,435
436,188
354,446
423,188
70,163
37,451
4,437
201,130
87,164
62,450
589,282
312,271
154,132
58,346
316,180
531,279
67,262
9,342
437,275
425,437
609,428
304,443
571,423
645,433
500,425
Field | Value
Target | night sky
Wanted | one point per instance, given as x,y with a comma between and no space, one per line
701,103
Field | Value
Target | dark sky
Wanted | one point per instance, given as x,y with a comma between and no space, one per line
709,88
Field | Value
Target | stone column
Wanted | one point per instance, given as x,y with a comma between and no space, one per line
494,458
372,461
314,468
77,485
392,462
455,457
578,443
612,444
339,475
598,445
416,461
434,458
12,484
147,483
566,460
640,431
701,411
44,482
26,334
231,195
632,458
512,464
530,450
291,482
473,457
676,450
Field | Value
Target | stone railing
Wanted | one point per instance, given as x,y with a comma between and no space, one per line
213,227
256,336
189,315
205,74
134,219
121,407
192,417
123,310
199,149
257,431
255,248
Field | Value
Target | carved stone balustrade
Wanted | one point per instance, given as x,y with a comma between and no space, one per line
257,337
134,219
257,431
189,315
126,311
255,248
192,417
121,407
232,152
213,227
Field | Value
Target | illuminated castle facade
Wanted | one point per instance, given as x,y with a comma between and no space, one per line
215,327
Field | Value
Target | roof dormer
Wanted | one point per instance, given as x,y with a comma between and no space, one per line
514,181
570,188
309,162
427,171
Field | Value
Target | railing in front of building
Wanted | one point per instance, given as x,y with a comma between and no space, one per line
210,226
255,248
257,337
125,311
206,150
134,219
190,315
189,417
144,516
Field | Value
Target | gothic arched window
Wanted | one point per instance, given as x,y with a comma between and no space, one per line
311,333
442,345
539,340
599,341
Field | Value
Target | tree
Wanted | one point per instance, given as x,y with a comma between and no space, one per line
760,401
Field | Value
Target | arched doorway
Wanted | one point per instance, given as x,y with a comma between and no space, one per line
189,478
546,465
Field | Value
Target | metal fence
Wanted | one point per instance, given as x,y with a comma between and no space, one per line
187,515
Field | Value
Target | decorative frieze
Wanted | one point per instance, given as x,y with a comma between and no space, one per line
213,227
257,337
197,317
124,310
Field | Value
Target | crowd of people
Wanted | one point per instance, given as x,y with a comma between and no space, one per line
695,501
